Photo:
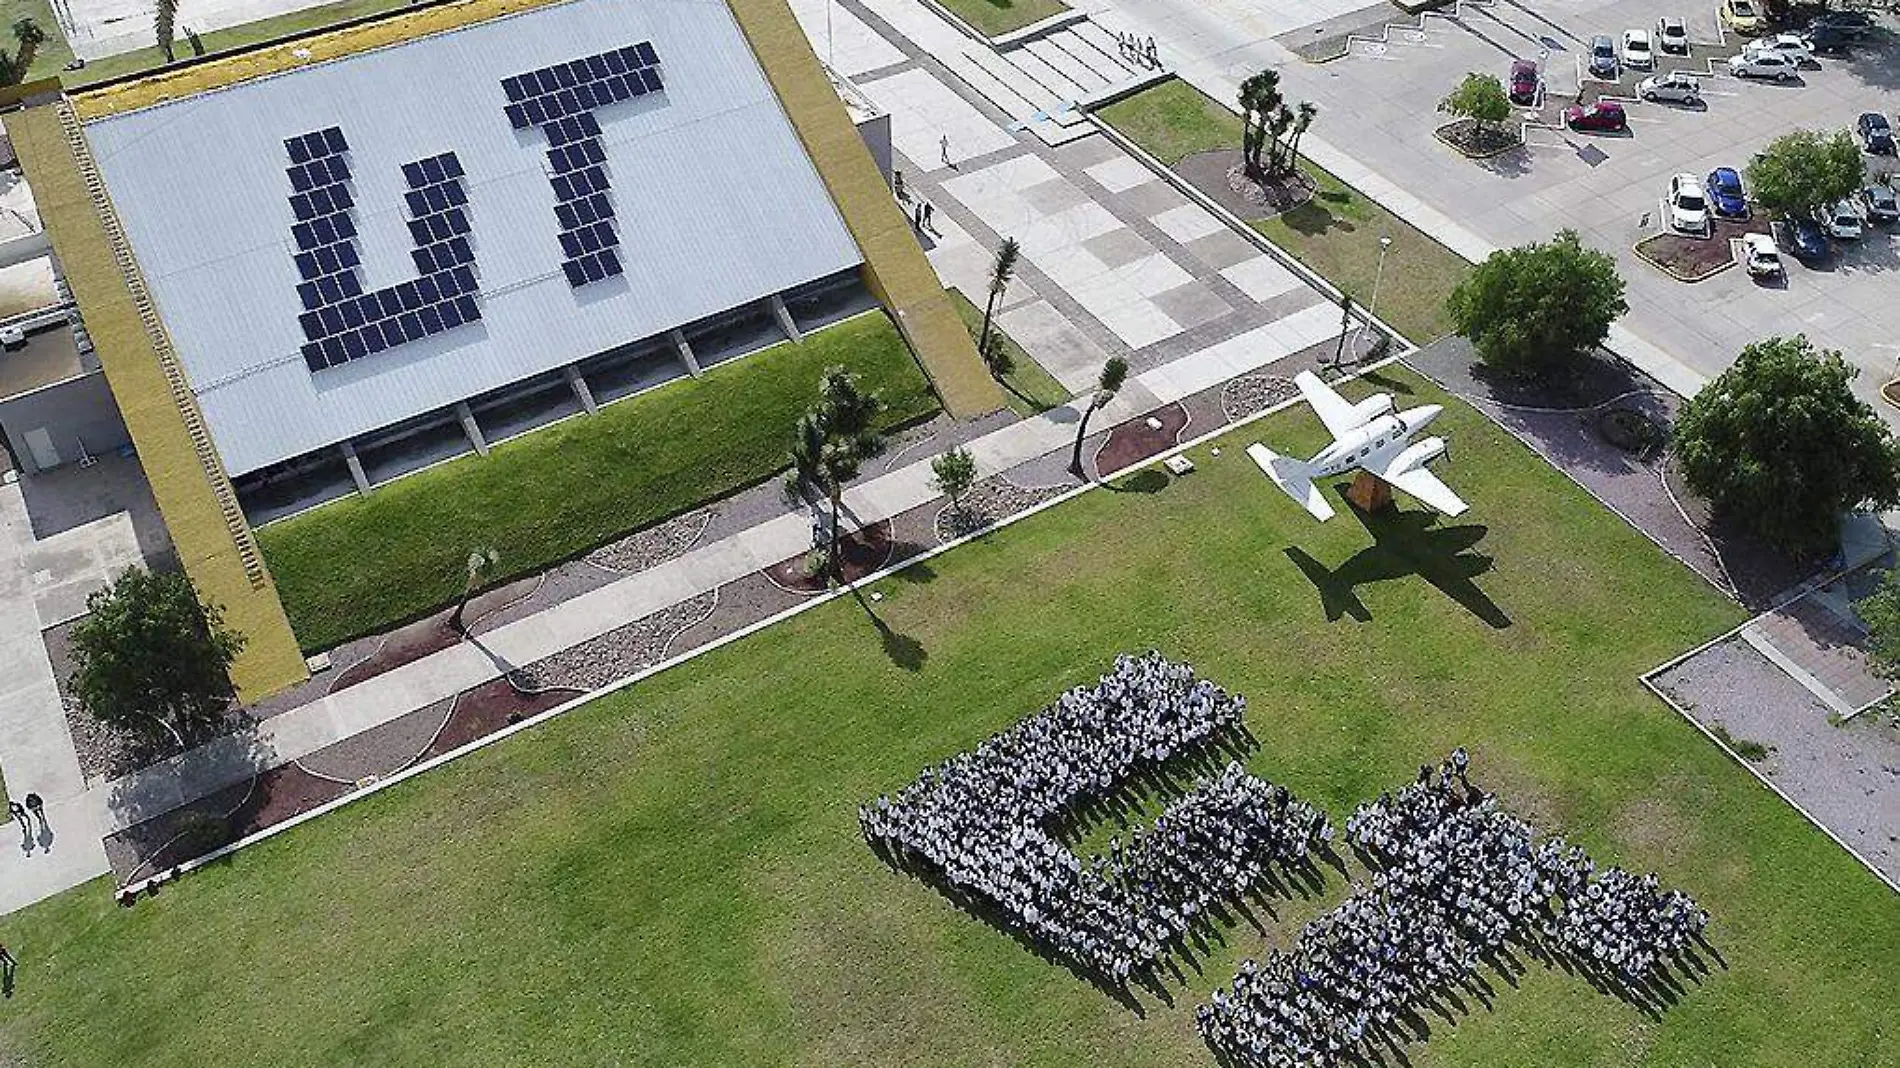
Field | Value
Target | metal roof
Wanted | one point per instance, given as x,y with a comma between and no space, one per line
716,206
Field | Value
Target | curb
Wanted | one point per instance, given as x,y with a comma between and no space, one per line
1453,145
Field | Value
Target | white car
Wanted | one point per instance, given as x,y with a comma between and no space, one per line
1688,208
1759,256
1637,52
1676,88
1672,37
1792,45
1762,65
1842,222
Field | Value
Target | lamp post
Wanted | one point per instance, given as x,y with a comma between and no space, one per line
1372,309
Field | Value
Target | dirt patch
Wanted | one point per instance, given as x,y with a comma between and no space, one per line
1221,175
1689,258
382,750
1479,140
620,652
1137,440
217,820
488,708
860,552
1653,831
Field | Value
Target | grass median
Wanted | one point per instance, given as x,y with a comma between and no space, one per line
364,564
673,875
1029,389
1336,234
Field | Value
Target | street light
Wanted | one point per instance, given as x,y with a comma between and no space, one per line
1372,309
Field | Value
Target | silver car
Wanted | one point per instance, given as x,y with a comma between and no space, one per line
1676,88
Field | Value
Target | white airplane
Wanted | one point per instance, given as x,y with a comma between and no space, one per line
1368,436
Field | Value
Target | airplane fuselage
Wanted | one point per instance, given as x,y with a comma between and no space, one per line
1369,444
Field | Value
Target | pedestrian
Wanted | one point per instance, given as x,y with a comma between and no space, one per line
1154,57
917,217
943,148
930,216
7,964
37,807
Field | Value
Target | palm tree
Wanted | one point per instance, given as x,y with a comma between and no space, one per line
1277,126
479,563
28,33
1259,95
1001,272
164,23
831,443
1308,112
1114,373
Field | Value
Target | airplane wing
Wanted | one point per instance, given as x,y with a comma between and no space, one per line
1339,416
1421,483
1293,478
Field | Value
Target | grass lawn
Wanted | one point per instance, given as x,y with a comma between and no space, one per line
673,875
1336,234
993,17
1029,389
365,563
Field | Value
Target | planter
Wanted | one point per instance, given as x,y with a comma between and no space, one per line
1475,140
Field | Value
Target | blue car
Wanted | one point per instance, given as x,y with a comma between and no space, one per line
1726,195
1803,237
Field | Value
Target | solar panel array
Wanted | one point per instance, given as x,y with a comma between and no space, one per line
561,101
341,321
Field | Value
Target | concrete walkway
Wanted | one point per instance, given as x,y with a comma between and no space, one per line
85,816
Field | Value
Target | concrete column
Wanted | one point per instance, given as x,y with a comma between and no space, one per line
784,317
686,353
356,468
471,427
579,385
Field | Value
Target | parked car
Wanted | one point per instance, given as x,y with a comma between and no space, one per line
1638,53
1848,25
1876,135
1762,65
1759,256
1802,237
1743,16
1793,45
1827,40
1842,222
1880,203
1601,117
1726,195
1688,209
1603,56
1672,36
1677,88
1524,81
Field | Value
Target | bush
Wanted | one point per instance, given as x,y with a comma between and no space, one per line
1533,309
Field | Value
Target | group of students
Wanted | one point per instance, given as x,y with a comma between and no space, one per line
978,819
1456,878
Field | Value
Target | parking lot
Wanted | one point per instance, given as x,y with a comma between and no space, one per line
1377,106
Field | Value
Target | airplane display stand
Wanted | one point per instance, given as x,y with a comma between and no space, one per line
1370,493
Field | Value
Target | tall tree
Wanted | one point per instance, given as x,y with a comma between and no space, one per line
1308,112
164,22
1259,97
1277,127
1480,97
954,472
1880,611
150,656
1532,309
831,443
1002,269
1802,172
30,37
1114,374
1780,442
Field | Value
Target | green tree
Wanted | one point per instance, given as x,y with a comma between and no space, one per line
1531,309
151,656
1781,443
164,23
831,443
1800,173
1480,97
1308,112
1259,99
30,37
1002,269
954,472
1880,611
1114,374
1277,126
11,73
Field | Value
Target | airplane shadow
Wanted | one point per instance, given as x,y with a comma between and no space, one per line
1404,544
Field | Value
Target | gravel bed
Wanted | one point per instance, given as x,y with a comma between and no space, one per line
1252,394
619,652
382,750
989,501
1847,775
654,545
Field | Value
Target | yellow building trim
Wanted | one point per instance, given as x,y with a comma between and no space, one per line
393,28
894,265
188,481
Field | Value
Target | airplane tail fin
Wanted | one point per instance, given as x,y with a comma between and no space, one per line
1293,477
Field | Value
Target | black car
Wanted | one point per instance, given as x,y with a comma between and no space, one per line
1876,135
1850,25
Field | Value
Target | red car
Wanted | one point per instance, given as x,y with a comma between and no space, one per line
1603,116
1524,81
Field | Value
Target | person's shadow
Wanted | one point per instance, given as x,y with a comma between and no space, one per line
7,968
26,835
46,834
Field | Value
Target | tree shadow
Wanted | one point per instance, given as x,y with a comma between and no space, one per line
1147,480
1405,544
903,650
1313,220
